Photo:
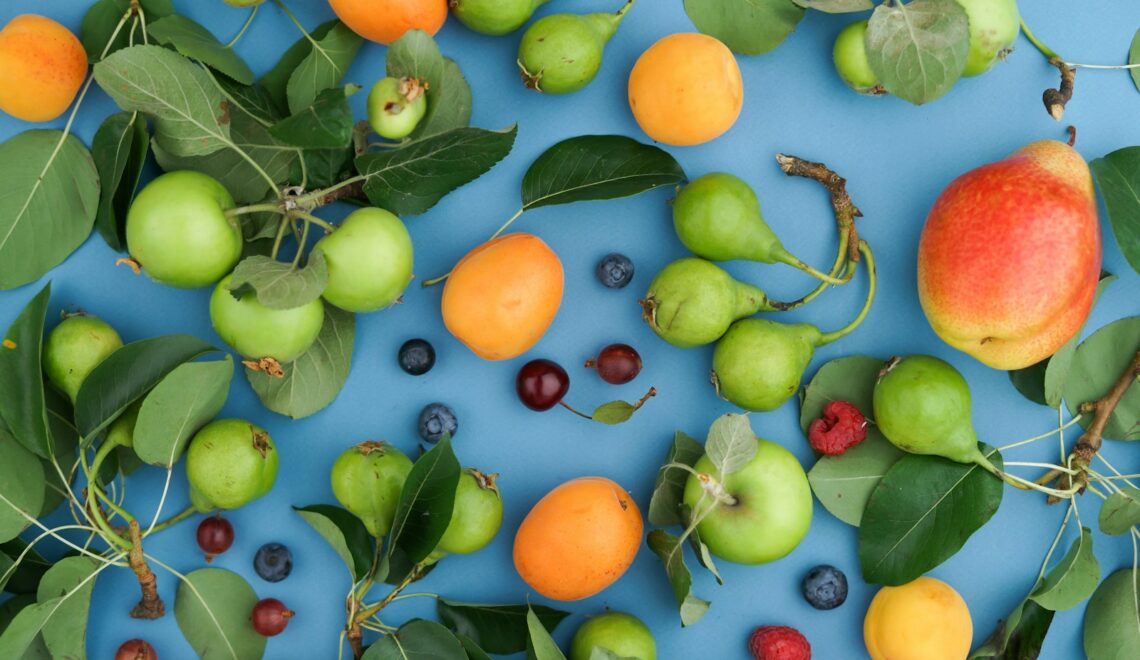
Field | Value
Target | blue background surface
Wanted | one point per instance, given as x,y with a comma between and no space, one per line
897,158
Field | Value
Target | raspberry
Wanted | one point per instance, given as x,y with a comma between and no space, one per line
778,643
840,428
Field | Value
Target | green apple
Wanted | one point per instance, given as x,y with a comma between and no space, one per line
477,515
772,511
230,463
850,57
994,26
623,635
256,331
396,106
369,259
74,348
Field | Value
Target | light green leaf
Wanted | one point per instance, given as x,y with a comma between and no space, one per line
1118,176
184,401
1098,364
21,487
836,6
851,379
704,556
345,533
540,644
212,609
103,17
449,103
24,630
670,485
415,55
1120,511
417,640
918,50
1112,620
323,67
844,483
748,27
65,633
614,412
1134,59
668,548
731,443
278,284
195,41
1073,579
1057,370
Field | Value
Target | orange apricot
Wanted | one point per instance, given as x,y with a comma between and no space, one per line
500,298
579,539
385,21
686,89
42,67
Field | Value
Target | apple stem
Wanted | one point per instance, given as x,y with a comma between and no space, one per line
869,258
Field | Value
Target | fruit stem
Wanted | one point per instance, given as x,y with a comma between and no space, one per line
241,32
794,262
253,208
828,337
1048,52
371,610
625,9
282,227
173,520
1035,438
576,412
841,264
507,224
150,606
310,218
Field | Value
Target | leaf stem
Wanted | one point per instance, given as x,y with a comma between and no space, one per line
282,227
1040,465
297,22
325,195
173,520
1074,420
510,221
301,245
371,610
436,280
418,594
254,208
309,218
869,258
244,27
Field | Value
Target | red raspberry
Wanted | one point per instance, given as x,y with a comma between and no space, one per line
840,428
778,643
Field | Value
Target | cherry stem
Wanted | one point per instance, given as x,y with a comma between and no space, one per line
869,257
576,412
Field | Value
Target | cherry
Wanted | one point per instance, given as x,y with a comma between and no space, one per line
541,384
136,649
215,536
270,617
617,364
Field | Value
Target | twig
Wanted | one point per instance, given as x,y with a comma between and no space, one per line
1055,99
845,209
151,606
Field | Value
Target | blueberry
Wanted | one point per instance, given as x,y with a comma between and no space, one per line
825,587
615,270
273,562
437,420
416,357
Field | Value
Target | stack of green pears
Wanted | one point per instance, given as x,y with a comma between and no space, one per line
757,363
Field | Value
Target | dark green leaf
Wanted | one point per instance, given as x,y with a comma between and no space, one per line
212,609
498,629
119,150
473,650
748,27
195,41
253,99
594,167
25,579
323,167
918,50
1112,620
1020,636
129,461
313,380
101,20
1120,511
449,103
540,645
668,548
1098,364
614,412
184,401
51,195
278,284
13,606
921,513
851,379
322,67
22,404
276,80
836,6
670,484
70,579
1030,381
417,640
128,374
1118,175
1073,579
65,633
21,487
704,556
326,124
426,502
396,566
731,443
65,440
345,533
411,179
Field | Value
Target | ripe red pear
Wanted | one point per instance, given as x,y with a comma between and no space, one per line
1010,255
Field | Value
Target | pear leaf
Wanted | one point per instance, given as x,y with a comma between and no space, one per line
1073,579
1118,175
1020,635
748,27
1097,365
1120,511
540,645
1134,59
836,6
1111,628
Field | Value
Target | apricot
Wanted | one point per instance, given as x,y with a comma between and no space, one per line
921,620
686,89
500,298
385,21
42,66
578,539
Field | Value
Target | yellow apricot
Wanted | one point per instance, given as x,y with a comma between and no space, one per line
686,89
921,620
42,66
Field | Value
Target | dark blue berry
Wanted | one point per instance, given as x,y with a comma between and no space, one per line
417,357
825,587
437,420
273,562
615,270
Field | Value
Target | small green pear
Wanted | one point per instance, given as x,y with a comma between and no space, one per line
758,364
562,53
692,302
367,480
494,17
74,348
230,463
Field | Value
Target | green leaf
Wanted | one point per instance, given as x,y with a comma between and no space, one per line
119,150
22,403
731,443
196,42
704,556
276,80
345,533
1020,636
65,633
613,412
323,67
1112,620
324,167
254,100
25,579
21,487
313,380
1120,511
851,379
540,645
128,374
472,649
1030,381
191,115
449,103
184,401
72,584
417,640
668,548
212,609
921,513
51,195
278,284
1098,364
498,629
102,18
748,27
918,50
1118,176
326,124
595,167
415,55
1073,579
1134,59
411,179
13,606
669,488
836,6
426,503
843,484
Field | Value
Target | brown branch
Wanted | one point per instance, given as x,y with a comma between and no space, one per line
845,209
1056,99
151,606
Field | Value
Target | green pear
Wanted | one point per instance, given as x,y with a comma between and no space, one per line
692,302
494,17
230,463
367,480
758,364
74,348
562,53
718,217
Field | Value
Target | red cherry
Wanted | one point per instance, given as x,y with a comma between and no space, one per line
136,649
215,536
541,384
617,364
270,617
